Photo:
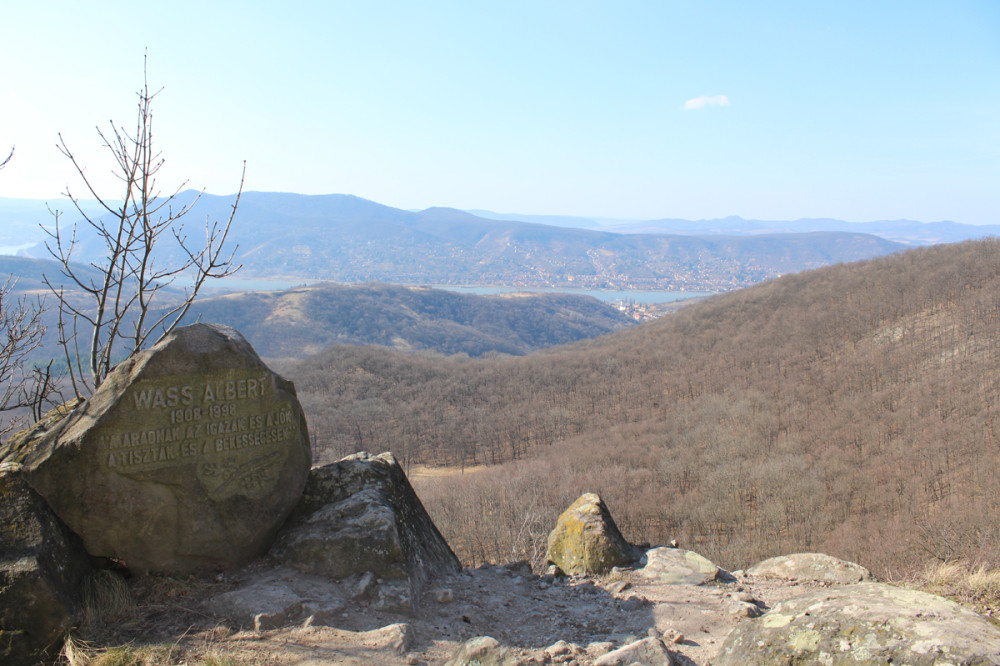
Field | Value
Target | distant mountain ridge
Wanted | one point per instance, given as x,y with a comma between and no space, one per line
348,239
909,232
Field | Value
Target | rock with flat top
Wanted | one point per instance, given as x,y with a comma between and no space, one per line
864,623
189,456
811,567
677,566
586,539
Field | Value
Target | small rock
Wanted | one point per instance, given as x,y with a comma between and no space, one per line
673,636
273,620
673,543
633,603
600,648
398,637
744,609
481,651
558,649
364,588
554,571
648,651
522,567
619,586
444,596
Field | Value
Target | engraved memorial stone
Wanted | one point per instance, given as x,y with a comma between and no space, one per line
190,455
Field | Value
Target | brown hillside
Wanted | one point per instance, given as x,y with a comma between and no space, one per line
850,410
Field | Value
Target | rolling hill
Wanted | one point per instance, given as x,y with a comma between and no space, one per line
851,410
348,239
299,322
295,323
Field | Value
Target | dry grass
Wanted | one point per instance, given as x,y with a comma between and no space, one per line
977,587
79,653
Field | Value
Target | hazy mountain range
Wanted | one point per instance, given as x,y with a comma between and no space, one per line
349,239
908,232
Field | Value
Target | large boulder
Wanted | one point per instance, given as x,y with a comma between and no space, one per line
359,518
811,568
586,539
190,455
42,565
866,623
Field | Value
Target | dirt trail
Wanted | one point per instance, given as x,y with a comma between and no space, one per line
530,614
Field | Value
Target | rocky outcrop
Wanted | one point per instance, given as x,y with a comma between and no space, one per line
866,623
586,539
812,567
42,565
190,455
677,567
359,517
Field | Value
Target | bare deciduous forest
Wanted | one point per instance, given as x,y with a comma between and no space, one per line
850,410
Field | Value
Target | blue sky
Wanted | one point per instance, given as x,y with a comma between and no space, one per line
772,110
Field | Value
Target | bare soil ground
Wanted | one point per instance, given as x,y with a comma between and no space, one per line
529,613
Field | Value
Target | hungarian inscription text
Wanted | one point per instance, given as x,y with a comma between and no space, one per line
231,428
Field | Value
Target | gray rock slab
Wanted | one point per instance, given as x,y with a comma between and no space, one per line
865,623
360,516
677,566
811,567
278,598
190,455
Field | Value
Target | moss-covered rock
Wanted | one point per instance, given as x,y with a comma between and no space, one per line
42,565
586,539
866,623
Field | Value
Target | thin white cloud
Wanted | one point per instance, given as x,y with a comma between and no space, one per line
706,100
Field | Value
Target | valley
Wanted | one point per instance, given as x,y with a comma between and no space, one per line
849,410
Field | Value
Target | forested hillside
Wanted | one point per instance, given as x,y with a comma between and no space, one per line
850,410
298,322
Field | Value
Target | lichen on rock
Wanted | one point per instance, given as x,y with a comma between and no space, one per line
865,623
586,539
811,567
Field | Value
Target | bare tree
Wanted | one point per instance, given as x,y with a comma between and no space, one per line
117,313
23,386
